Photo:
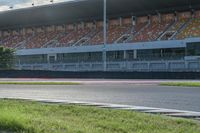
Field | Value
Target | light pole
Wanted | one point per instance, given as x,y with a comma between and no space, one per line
104,36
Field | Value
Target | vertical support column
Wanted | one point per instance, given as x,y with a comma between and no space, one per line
149,19
23,32
65,28
55,58
104,37
54,28
48,61
75,26
19,63
159,17
149,69
175,16
34,31
133,20
125,55
120,21
135,54
167,66
186,51
186,64
125,60
193,13
46,29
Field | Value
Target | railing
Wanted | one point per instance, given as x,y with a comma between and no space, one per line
159,65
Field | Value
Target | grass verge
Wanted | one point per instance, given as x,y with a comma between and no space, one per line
33,117
37,83
183,84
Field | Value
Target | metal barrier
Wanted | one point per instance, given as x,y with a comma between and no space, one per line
138,66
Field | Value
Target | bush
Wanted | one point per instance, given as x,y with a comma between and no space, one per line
6,58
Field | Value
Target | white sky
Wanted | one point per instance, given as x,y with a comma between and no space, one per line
16,4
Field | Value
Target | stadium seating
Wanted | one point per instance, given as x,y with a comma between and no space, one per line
192,30
114,32
40,39
173,29
71,37
147,28
98,37
13,40
151,32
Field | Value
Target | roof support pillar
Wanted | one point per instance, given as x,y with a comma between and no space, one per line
104,35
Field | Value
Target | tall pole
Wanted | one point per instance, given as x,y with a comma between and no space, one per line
104,36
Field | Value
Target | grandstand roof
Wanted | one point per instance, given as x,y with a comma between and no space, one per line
87,10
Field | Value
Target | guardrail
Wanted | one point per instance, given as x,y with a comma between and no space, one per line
138,66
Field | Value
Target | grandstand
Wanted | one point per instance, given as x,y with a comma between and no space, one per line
141,36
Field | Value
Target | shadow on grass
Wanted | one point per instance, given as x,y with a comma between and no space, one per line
14,127
10,122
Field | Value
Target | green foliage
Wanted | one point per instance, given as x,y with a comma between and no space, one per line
33,117
6,58
182,84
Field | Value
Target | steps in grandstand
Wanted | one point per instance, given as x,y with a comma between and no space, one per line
180,29
124,38
141,30
85,39
81,42
51,43
127,36
20,45
167,30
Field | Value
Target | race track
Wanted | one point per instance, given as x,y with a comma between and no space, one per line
137,93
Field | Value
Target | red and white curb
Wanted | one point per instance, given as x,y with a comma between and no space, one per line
150,110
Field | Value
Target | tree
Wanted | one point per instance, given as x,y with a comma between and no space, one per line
6,57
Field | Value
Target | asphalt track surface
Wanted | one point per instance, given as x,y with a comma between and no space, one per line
127,92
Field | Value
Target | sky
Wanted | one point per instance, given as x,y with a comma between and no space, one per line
16,4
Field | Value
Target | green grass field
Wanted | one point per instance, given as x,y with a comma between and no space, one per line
32,117
37,83
183,84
